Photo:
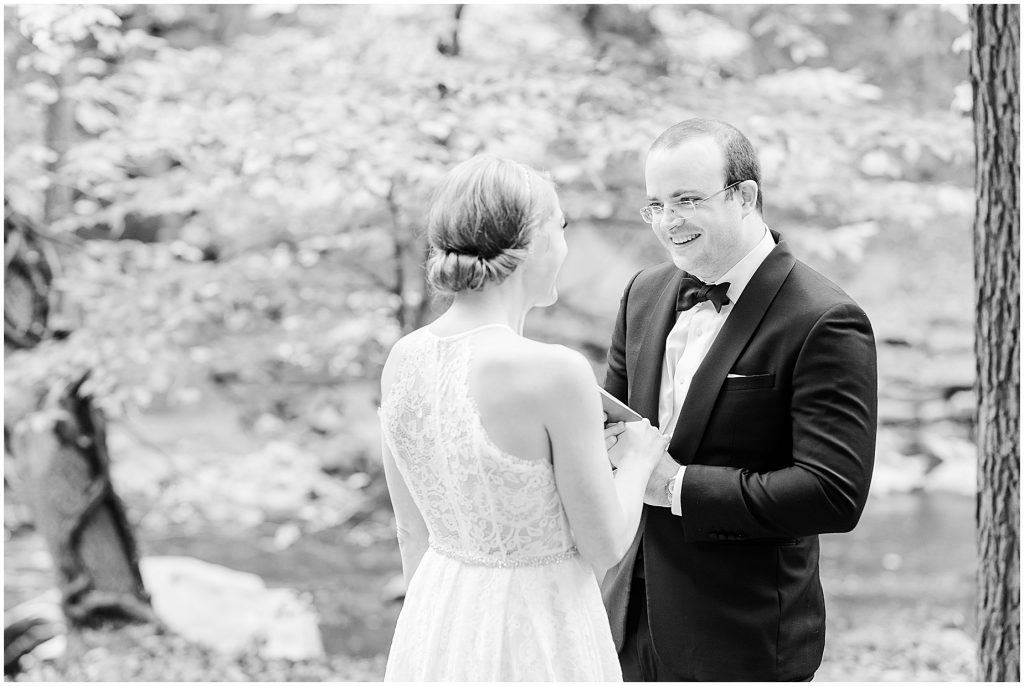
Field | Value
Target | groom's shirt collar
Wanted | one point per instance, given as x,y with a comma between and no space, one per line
739,276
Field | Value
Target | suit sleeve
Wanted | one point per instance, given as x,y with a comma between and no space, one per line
834,417
616,380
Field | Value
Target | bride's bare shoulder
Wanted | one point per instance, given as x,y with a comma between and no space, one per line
535,366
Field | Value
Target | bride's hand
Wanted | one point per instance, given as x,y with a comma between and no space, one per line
638,441
611,433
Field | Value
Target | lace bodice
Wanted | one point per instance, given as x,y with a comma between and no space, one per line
481,504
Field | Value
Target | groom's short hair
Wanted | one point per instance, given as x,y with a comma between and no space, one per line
741,161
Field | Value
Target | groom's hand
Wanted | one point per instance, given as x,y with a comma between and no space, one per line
665,470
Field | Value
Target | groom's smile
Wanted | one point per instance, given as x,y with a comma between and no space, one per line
682,238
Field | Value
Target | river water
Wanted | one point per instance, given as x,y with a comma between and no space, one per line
913,553
911,556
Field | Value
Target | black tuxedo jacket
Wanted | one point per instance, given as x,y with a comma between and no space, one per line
775,455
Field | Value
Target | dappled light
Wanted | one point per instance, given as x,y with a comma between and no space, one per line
232,202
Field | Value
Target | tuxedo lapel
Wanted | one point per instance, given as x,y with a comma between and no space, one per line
645,384
644,370
730,342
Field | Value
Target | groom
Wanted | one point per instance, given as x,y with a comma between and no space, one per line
765,378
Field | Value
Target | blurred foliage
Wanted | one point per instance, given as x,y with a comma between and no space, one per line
240,195
281,156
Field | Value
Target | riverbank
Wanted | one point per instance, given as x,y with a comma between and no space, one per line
899,591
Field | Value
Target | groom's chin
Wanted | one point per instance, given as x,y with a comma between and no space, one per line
680,263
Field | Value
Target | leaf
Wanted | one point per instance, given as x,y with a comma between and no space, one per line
41,92
91,66
94,118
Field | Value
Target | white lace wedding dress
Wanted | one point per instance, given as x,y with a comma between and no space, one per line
502,593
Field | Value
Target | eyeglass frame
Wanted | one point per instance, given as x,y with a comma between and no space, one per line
692,203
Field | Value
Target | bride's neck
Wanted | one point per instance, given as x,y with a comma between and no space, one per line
492,305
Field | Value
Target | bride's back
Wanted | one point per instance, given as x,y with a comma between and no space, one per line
471,445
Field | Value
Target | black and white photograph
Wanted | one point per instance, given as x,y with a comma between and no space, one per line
511,342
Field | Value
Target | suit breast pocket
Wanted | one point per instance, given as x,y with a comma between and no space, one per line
749,383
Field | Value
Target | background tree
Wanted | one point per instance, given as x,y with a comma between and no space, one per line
55,435
995,31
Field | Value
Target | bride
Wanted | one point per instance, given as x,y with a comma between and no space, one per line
508,512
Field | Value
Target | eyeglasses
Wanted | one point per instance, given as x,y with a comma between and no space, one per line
684,209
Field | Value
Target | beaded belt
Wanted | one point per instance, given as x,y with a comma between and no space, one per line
490,561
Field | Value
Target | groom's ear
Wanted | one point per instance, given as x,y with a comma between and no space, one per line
748,196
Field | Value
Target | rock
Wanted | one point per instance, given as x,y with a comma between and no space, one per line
892,562
45,606
897,473
286,535
295,633
34,631
326,419
339,455
877,163
953,477
898,340
268,425
958,470
394,589
948,339
948,448
949,428
230,611
950,372
358,480
933,410
897,411
956,640
963,405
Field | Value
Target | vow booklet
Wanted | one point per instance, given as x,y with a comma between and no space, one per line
617,411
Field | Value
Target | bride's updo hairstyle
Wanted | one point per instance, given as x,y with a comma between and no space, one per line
481,221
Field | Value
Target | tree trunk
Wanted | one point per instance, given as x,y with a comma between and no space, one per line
60,127
995,78
409,284
63,474
422,310
229,21
28,278
450,46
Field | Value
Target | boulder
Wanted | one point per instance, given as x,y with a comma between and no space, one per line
230,611
899,474
958,470
34,631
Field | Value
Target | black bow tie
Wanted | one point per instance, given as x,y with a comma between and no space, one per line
692,291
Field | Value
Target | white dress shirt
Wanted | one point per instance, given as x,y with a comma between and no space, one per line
689,341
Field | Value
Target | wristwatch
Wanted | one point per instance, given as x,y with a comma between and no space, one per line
668,491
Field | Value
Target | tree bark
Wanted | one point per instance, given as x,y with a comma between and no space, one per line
60,127
450,46
28,279
409,284
230,21
995,78
63,474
